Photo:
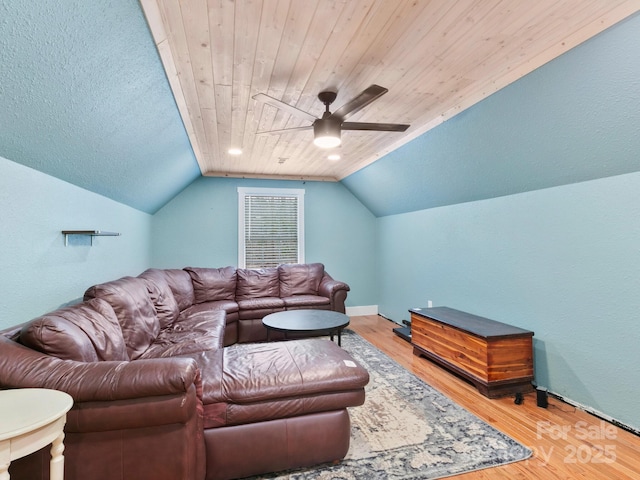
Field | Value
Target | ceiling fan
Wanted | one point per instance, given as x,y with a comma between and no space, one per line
326,130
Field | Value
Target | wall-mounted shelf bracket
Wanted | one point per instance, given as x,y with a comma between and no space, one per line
90,233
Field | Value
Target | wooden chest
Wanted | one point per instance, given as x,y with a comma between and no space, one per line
497,358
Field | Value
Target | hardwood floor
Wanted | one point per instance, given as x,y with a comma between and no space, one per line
567,443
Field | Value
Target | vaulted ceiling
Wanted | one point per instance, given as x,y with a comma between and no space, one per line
436,57
134,100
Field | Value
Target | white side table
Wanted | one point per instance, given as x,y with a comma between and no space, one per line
31,418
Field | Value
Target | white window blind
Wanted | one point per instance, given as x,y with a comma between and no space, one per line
270,227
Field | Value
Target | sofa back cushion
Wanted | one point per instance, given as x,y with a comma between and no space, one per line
213,284
129,298
161,295
300,279
263,282
180,283
86,332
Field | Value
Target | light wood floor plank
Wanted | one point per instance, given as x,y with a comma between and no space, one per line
567,442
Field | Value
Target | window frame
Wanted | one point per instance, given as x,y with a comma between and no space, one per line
244,192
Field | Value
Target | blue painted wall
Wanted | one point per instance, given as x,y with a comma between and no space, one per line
563,262
84,98
200,227
39,273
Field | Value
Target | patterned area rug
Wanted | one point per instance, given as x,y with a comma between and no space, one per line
408,430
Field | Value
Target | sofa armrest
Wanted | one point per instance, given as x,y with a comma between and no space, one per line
335,290
21,367
140,412
140,419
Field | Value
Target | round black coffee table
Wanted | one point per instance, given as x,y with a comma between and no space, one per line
310,322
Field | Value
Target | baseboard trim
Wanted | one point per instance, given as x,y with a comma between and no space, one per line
362,310
596,413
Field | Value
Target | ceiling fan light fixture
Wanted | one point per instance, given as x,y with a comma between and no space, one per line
327,142
326,134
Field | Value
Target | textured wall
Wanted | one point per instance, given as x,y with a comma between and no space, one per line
84,98
562,262
200,228
38,272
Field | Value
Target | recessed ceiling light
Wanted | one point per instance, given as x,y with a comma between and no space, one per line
235,151
334,156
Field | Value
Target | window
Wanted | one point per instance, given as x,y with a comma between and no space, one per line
271,227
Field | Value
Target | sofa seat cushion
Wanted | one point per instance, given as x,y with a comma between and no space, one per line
261,303
258,308
197,332
212,284
85,332
228,306
307,301
256,382
300,279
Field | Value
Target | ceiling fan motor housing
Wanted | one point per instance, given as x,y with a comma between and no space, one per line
327,97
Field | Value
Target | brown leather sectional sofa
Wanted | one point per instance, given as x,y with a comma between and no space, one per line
171,379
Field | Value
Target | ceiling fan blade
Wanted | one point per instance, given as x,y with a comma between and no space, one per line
367,96
261,97
381,127
286,130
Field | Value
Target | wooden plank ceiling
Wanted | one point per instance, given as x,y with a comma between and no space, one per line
436,57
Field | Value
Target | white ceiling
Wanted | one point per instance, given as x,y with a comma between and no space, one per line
436,57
